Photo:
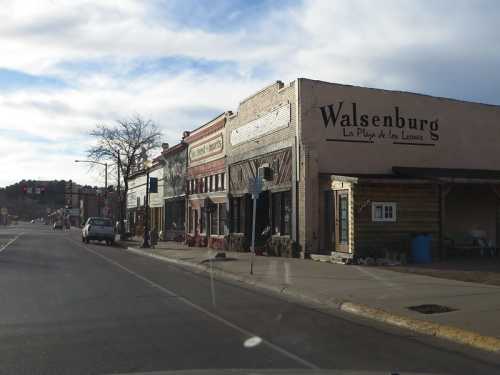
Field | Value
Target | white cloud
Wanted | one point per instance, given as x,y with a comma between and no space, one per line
442,48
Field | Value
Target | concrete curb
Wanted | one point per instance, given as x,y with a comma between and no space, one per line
458,335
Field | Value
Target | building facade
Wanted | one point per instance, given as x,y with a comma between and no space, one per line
347,171
377,167
262,142
206,184
174,191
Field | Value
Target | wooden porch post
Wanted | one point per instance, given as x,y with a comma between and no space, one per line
496,190
443,192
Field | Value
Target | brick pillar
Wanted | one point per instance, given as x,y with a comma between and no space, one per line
308,201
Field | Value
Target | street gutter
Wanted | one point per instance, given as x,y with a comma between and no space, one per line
457,335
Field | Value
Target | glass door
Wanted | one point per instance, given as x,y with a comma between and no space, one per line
342,220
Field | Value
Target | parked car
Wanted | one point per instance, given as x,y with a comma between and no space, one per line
58,225
98,229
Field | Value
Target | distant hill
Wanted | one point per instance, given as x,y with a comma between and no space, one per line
30,199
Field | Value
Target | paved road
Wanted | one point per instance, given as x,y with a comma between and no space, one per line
71,308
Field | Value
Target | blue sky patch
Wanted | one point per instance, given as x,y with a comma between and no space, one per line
220,16
14,79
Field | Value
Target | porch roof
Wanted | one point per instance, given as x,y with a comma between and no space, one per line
451,175
425,175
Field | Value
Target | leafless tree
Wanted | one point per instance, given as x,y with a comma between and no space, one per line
125,145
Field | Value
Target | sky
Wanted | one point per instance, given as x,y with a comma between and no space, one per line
66,66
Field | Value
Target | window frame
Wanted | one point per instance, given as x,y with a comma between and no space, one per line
384,206
203,220
221,218
213,213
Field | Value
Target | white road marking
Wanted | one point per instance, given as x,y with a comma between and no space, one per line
10,242
220,319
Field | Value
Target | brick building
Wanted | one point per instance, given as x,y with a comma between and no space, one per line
174,161
354,170
206,184
262,141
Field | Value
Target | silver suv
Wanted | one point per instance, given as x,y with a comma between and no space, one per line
99,229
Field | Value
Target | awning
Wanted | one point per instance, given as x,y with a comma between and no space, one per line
450,174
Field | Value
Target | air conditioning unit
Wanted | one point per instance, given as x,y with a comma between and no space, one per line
266,173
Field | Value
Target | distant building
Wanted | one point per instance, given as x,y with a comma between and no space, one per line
174,161
207,184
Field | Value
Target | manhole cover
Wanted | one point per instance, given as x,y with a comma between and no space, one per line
431,309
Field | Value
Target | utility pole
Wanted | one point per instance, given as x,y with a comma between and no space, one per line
146,244
120,202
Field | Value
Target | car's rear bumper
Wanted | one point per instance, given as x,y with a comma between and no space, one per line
100,237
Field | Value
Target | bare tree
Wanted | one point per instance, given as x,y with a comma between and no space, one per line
126,145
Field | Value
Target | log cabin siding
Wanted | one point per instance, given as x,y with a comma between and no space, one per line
417,211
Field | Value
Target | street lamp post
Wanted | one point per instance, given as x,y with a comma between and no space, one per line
146,244
105,176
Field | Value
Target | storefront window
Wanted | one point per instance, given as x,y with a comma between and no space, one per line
282,212
214,229
286,212
216,182
276,202
238,215
174,216
222,217
190,220
222,176
235,215
203,219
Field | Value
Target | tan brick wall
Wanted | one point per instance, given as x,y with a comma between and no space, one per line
281,139
254,107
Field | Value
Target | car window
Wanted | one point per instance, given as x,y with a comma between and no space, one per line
101,222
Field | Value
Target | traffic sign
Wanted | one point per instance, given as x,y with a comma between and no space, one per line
255,186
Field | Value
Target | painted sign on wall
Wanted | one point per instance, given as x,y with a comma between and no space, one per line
350,124
208,148
270,122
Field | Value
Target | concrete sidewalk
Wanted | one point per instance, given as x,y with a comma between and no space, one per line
365,290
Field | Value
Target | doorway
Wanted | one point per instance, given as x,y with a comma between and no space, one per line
341,211
195,222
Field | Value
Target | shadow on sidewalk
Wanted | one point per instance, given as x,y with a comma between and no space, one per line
477,270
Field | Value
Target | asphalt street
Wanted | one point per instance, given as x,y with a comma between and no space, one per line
71,308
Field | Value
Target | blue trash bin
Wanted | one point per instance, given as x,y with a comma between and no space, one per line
421,249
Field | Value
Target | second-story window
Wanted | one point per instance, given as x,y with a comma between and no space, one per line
222,180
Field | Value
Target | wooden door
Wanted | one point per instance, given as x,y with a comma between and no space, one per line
341,211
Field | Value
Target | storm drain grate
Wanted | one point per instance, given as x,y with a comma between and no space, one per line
431,309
